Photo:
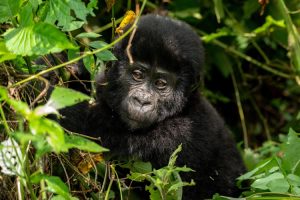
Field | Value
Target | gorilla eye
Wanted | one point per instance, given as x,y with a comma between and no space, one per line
161,83
137,75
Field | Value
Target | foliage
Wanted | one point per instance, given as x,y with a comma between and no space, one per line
45,135
165,183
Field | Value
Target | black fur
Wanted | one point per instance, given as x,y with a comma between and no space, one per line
207,144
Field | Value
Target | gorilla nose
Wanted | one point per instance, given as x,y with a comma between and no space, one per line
141,101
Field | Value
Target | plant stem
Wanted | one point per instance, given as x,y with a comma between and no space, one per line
107,26
4,120
294,42
246,57
42,182
109,185
118,180
28,64
240,109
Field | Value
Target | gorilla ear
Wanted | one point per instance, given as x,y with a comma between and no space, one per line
101,82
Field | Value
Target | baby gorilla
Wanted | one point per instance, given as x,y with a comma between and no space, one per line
150,106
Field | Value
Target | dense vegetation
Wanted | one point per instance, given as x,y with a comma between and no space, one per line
252,77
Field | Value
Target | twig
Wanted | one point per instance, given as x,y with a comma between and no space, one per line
240,109
131,61
43,93
246,57
65,170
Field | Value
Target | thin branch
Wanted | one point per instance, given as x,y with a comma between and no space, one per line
131,61
240,109
247,58
43,93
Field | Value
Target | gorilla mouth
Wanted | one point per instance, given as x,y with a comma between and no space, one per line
140,120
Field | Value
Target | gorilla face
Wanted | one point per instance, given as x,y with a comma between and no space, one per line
166,64
151,95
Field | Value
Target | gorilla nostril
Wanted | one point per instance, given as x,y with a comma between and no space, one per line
141,102
137,101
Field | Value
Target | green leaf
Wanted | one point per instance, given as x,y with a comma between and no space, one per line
26,16
91,6
8,9
61,11
154,192
219,10
59,197
179,185
141,167
64,97
263,183
183,169
294,180
73,53
262,167
3,93
291,158
295,190
105,55
79,9
55,185
88,35
135,176
74,141
4,53
279,185
35,4
36,40
174,156
51,129
89,63
20,107
24,138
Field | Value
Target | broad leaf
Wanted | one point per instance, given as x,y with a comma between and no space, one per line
89,63
26,16
3,93
279,185
53,132
79,9
135,176
141,167
263,183
8,9
36,40
105,55
74,141
64,97
61,11
54,184
291,158
179,185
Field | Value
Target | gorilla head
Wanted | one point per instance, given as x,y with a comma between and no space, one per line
167,57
